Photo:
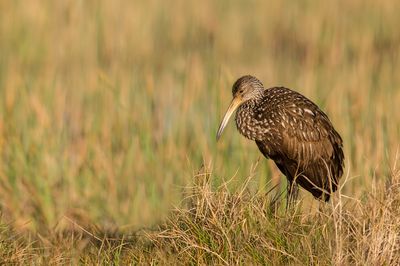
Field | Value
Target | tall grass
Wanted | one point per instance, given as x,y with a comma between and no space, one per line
107,109
221,226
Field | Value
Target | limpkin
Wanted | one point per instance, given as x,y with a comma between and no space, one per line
292,131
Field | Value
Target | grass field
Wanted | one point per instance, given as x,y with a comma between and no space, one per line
108,116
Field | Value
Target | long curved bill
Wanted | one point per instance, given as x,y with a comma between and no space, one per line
236,102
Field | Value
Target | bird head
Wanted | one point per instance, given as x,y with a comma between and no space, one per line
244,89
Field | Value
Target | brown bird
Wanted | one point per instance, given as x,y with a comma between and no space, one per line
292,131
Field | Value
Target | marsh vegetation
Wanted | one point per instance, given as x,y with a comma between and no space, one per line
108,116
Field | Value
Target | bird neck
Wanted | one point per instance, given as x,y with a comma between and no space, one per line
250,104
255,99
245,119
258,96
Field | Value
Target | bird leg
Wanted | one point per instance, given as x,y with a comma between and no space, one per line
292,194
275,201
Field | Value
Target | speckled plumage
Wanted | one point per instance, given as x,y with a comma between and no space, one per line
292,131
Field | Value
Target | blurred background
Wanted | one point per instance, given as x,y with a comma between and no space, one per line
109,108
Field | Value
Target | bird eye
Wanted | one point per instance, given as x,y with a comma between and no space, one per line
241,91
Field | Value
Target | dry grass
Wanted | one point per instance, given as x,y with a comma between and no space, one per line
108,108
224,227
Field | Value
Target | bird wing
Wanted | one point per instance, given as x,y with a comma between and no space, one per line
305,143
310,141
306,134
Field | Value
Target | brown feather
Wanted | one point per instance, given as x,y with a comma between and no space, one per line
291,130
